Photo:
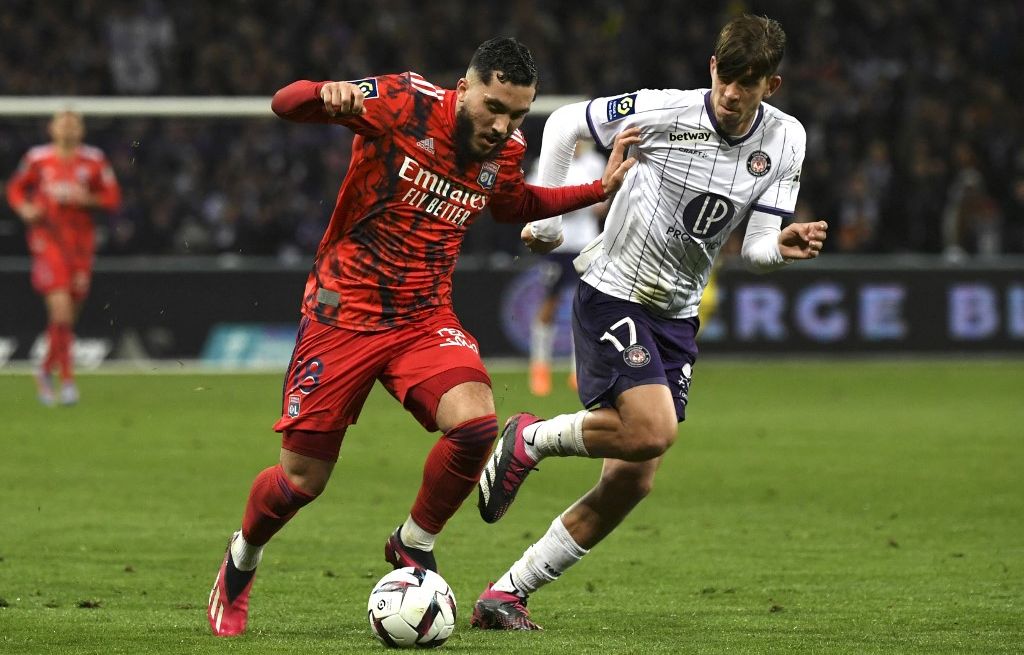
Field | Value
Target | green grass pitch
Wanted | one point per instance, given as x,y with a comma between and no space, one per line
808,507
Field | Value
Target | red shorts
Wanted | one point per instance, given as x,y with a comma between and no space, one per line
333,369
58,266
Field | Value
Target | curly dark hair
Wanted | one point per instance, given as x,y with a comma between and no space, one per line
749,48
509,58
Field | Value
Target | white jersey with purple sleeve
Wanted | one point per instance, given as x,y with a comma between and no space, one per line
691,187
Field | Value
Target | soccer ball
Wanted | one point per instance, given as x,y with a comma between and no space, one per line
411,607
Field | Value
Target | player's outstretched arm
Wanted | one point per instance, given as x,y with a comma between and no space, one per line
317,102
802,240
614,173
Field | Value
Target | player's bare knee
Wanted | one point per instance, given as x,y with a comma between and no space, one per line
309,482
647,449
311,476
648,439
628,483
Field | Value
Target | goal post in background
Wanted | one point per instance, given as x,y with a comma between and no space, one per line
184,106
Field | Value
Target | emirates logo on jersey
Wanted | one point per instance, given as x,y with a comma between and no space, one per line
759,163
438,196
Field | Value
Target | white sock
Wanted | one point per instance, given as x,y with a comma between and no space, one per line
561,436
414,536
542,340
543,562
244,555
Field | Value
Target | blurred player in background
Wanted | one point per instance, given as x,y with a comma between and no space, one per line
707,159
377,306
55,191
557,273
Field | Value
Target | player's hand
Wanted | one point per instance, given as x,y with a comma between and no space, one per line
538,246
29,212
802,240
342,99
617,166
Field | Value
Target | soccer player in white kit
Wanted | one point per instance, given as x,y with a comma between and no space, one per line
707,159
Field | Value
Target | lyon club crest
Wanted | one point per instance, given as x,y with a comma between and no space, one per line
488,174
759,163
636,356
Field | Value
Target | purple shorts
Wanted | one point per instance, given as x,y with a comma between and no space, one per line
621,345
558,273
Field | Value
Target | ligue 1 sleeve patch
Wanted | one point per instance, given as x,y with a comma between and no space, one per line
488,174
621,107
759,163
368,86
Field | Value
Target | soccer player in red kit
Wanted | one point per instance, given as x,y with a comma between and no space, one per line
55,191
377,305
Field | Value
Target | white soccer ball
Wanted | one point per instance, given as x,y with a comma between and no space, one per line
411,607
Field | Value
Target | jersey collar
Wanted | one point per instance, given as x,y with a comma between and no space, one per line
450,100
732,141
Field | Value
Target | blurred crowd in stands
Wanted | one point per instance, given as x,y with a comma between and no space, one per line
913,108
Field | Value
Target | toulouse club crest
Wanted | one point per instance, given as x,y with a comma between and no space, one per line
759,163
636,356
488,174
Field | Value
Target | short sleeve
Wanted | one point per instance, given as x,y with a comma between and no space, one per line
780,198
608,116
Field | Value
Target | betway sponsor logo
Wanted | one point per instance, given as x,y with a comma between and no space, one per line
689,136
437,195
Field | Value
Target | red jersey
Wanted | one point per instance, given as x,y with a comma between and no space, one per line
389,251
47,179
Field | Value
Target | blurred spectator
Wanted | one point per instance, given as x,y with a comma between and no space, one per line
140,37
889,91
971,221
859,214
1015,216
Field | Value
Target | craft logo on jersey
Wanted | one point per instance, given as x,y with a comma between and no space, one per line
294,405
636,355
488,174
621,107
759,163
368,86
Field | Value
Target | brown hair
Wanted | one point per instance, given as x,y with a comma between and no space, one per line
749,47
